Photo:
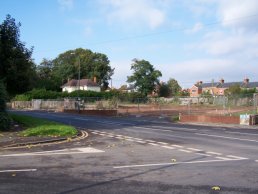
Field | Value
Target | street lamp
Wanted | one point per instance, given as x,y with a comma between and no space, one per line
79,86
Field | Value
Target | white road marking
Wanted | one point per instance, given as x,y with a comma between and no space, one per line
154,144
95,132
215,153
202,154
141,141
256,160
163,143
173,128
102,134
119,137
110,135
232,138
19,170
129,139
241,133
168,147
150,140
137,138
187,151
236,157
57,152
223,158
178,146
170,164
194,149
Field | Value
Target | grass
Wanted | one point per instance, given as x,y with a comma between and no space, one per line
42,127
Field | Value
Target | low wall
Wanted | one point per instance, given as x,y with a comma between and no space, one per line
210,119
94,112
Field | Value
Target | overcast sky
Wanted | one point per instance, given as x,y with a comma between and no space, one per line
188,40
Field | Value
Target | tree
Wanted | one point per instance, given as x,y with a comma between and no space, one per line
17,69
164,90
174,87
4,117
145,78
234,89
66,65
45,78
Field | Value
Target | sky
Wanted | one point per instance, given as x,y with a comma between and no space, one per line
188,40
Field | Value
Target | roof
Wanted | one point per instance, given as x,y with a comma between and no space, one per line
83,82
228,84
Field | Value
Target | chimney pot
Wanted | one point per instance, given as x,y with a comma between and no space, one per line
222,80
95,79
246,80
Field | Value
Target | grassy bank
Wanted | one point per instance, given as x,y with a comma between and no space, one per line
41,127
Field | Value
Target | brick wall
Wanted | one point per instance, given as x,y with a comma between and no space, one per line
210,119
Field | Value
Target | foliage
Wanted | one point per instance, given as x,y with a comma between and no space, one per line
16,67
174,87
41,127
145,78
184,93
236,90
3,97
45,77
90,64
5,121
45,94
164,90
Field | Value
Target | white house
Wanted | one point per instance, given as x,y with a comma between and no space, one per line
84,84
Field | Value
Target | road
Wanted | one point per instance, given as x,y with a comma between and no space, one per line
135,155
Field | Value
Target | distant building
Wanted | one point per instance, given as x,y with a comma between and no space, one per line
218,88
85,84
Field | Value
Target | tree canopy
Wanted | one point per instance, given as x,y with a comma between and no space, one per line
145,78
66,66
174,87
17,69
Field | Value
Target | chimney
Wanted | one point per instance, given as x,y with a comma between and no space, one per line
200,82
95,79
246,80
222,81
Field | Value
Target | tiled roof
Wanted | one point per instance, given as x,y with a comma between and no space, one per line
228,84
83,82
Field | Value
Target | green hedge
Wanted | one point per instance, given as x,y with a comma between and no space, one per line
5,121
46,94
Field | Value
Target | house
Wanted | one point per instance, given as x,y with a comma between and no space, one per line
83,84
218,88
196,89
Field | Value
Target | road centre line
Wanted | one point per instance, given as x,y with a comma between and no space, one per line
187,151
194,149
178,146
215,153
236,157
154,144
174,128
163,143
168,147
225,137
232,132
171,164
19,170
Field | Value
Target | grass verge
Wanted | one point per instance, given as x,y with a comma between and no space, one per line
42,127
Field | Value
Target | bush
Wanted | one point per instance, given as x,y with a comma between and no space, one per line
5,121
3,96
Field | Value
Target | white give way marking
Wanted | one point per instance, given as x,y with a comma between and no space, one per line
83,150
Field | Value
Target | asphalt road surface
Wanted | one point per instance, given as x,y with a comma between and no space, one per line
135,155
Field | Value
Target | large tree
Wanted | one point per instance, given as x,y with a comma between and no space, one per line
145,78
45,77
17,69
66,66
174,87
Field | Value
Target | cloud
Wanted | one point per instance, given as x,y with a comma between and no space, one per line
65,4
238,14
150,13
196,28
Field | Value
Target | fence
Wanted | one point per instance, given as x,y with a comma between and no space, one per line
213,105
